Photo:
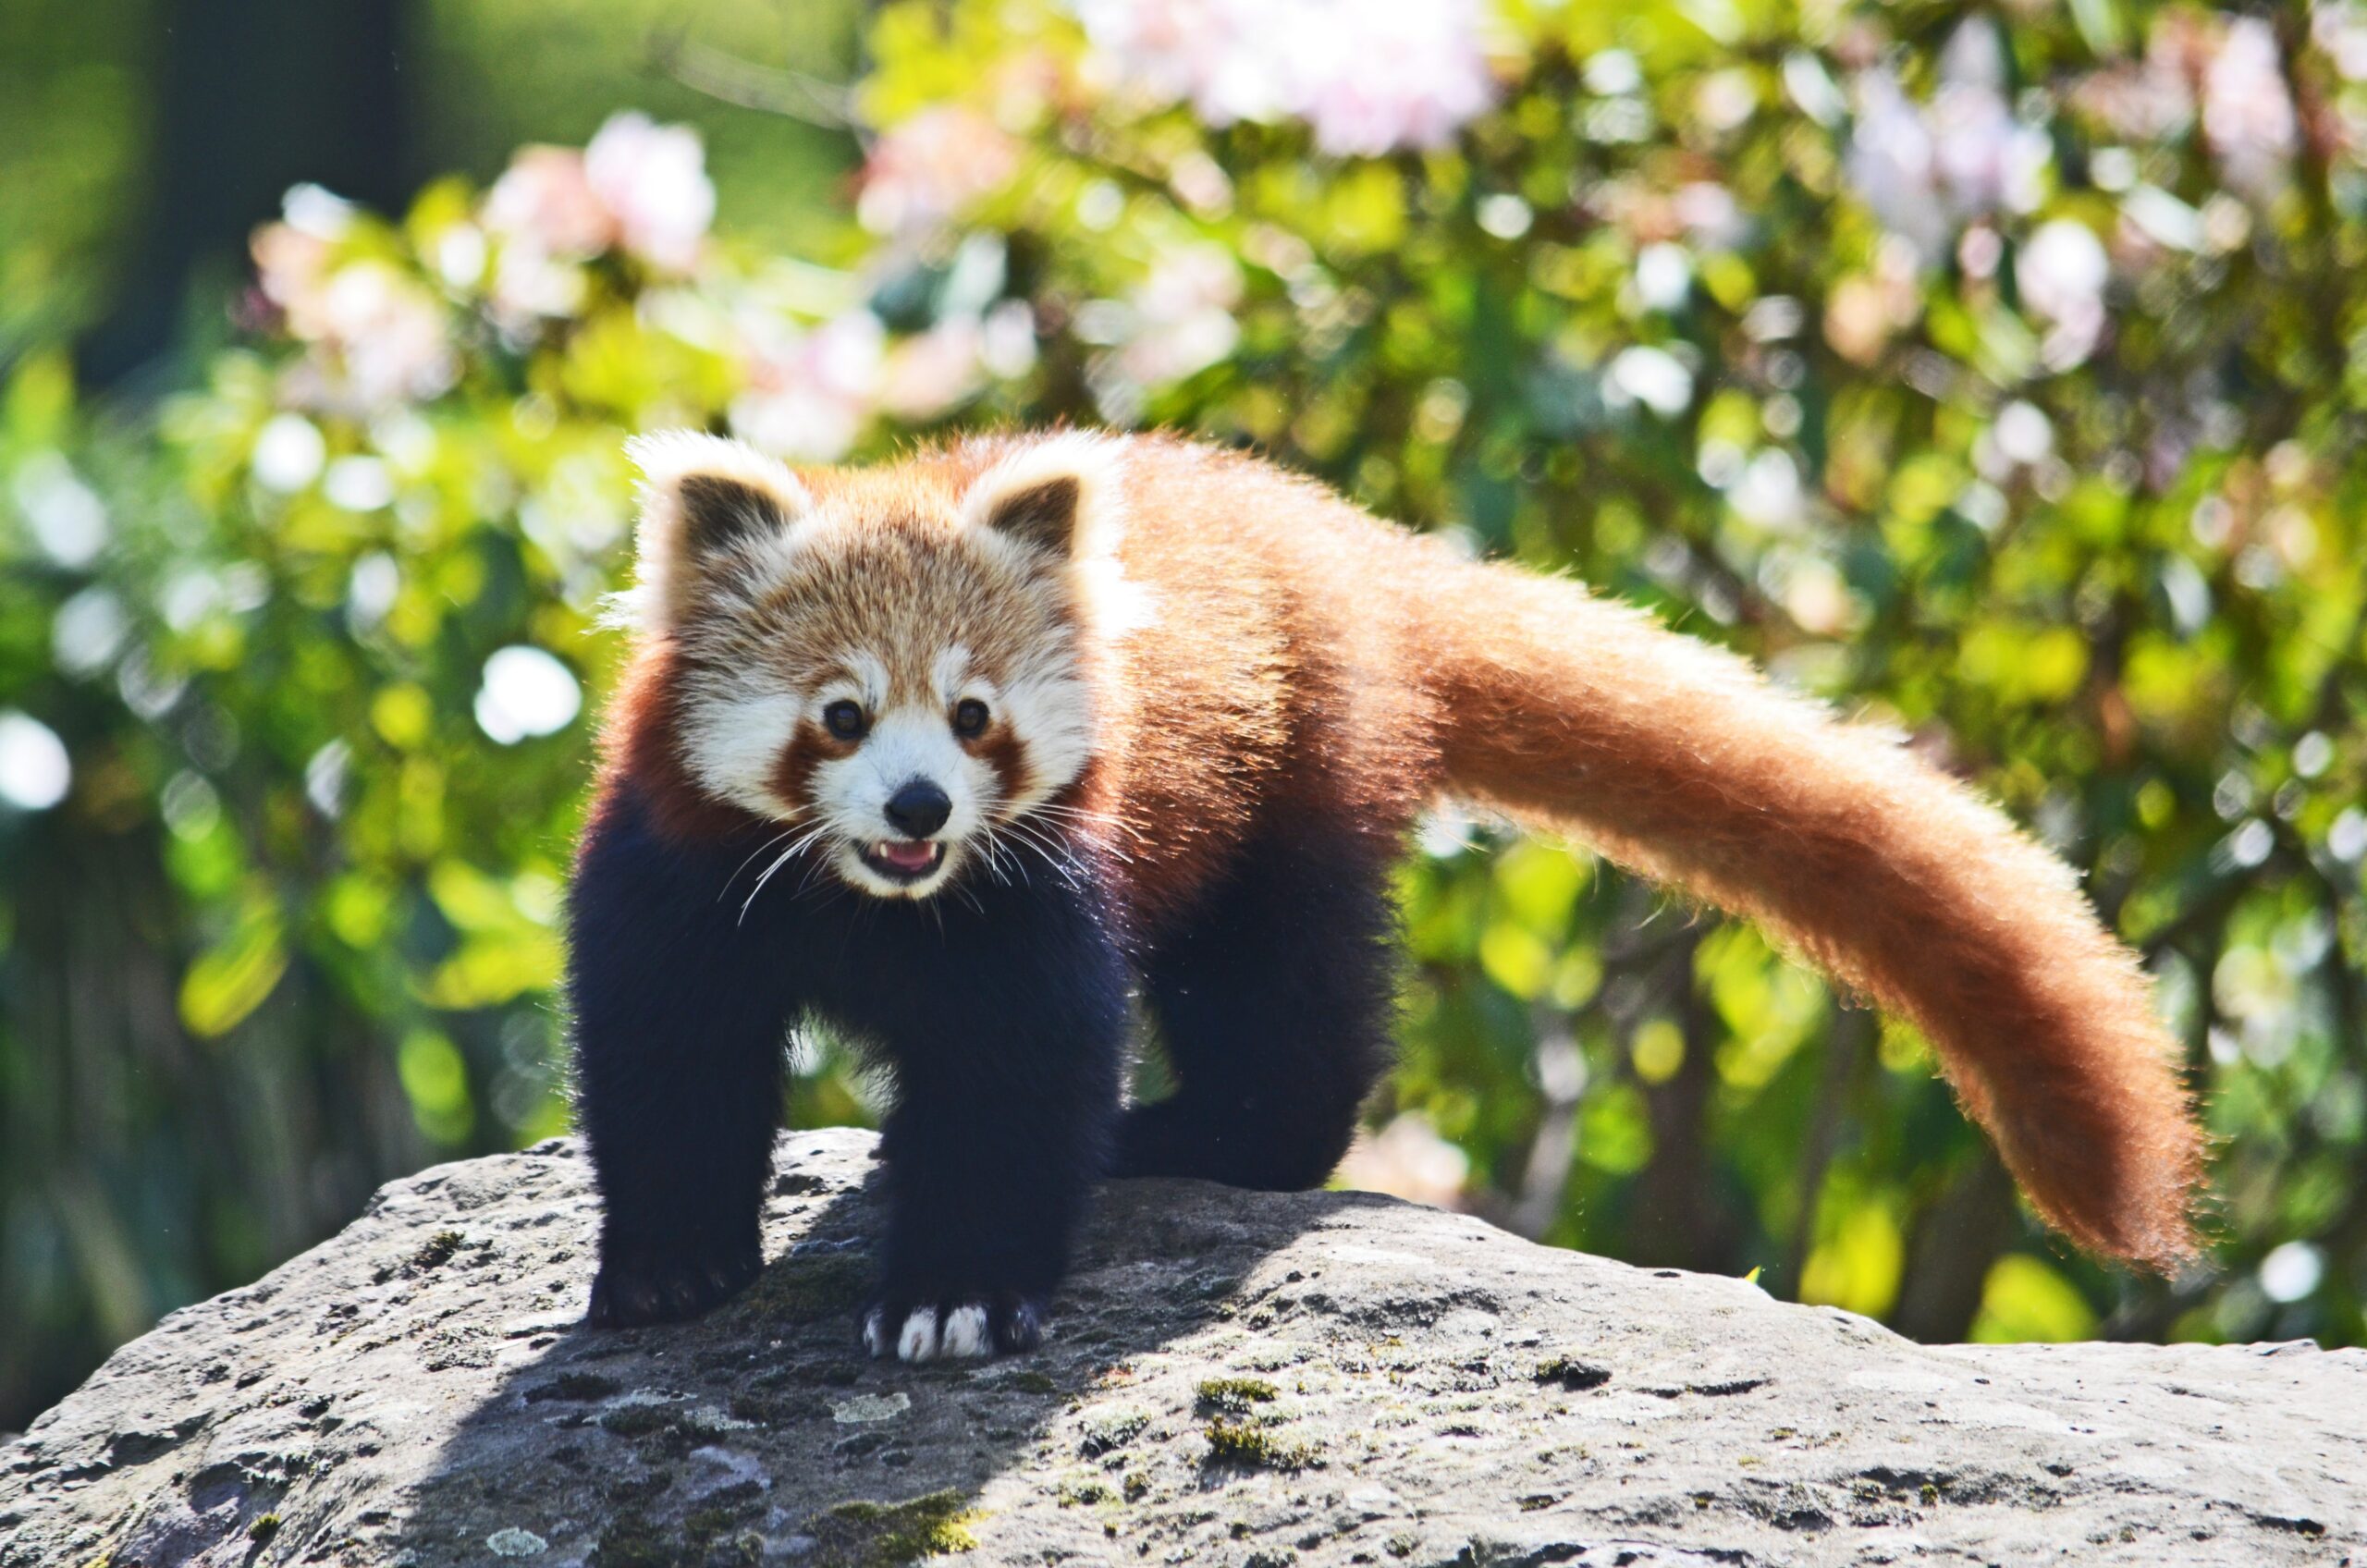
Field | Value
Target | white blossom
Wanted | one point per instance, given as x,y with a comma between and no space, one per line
35,772
923,171
526,691
69,521
1368,77
545,199
377,338
652,178
1654,377
811,392
2062,271
1925,170
638,186
1183,316
930,372
2247,111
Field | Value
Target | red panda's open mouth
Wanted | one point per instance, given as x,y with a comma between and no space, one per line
903,860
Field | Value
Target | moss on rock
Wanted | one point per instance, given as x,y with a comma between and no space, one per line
864,1534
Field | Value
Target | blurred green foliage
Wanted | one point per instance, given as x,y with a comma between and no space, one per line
1990,373
73,118
778,146
83,84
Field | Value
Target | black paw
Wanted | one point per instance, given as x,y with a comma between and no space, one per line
632,1290
953,1326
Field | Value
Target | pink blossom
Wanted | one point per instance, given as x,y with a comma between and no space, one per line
1007,340
1207,51
1988,161
811,393
1927,170
926,170
2144,102
1376,75
2341,31
2247,110
1368,76
2234,76
548,219
530,286
1711,215
639,186
293,257
375,333
928,374
1181,315
1178,321
652,179
1891,163
543,199
290,263
377,338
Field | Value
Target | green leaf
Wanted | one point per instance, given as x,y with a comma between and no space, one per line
235,976
2027,1298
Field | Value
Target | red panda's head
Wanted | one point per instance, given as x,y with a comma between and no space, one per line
887,662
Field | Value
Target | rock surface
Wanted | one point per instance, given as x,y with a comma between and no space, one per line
1237,1379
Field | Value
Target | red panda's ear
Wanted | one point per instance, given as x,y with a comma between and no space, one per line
703,499
1059,495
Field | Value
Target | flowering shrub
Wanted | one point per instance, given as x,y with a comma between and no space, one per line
1366,78
1989,374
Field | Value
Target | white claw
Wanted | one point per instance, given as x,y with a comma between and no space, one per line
966,1333
918,1342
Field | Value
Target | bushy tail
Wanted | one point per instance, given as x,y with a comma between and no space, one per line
1679,761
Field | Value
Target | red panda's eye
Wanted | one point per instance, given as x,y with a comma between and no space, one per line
969,716
844,719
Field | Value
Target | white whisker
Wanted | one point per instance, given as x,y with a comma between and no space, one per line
1055,855
778,861
990,853
760,849
1064,816
1001,852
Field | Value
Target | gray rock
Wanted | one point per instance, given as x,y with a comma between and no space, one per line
1237,1379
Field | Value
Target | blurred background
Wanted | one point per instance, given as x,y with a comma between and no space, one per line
1991,370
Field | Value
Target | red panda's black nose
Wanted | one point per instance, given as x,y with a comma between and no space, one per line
918,809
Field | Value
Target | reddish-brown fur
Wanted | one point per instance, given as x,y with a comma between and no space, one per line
638,739
1305,661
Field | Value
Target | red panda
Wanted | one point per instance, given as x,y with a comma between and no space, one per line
965,752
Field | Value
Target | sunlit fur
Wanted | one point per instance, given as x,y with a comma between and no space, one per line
1229,692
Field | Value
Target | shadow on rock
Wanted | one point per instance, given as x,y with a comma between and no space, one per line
763,1433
